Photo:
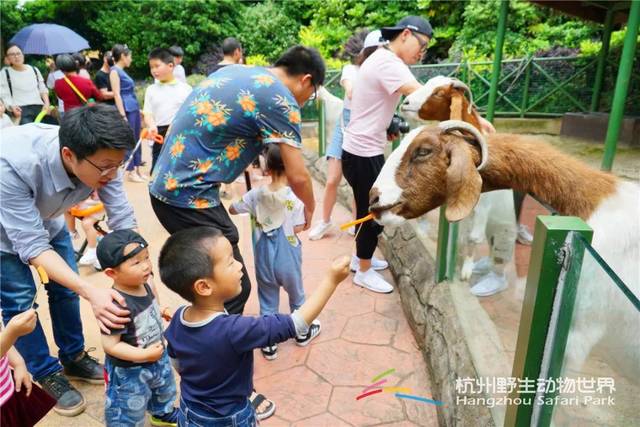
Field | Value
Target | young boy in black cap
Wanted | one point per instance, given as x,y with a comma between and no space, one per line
138,370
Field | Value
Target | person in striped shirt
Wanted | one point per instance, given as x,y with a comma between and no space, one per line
16,389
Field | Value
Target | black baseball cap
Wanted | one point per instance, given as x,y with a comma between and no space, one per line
413,23
111,248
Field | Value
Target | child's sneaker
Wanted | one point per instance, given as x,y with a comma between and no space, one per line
170,419
314,331
270,352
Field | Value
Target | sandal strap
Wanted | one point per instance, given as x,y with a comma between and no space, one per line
257,401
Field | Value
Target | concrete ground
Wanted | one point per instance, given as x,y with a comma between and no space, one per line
364,334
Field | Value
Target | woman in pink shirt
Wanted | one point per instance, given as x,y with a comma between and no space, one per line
382,79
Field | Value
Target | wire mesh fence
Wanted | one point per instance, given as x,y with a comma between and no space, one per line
528,87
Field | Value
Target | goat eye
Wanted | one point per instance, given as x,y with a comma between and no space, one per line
422,152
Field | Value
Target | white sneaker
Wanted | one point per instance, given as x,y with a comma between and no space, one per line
376,264
482,266
89,257
319,230
134,177
373,281
524,235
489,285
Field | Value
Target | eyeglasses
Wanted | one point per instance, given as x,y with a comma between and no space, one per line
423,43
105,171
14,54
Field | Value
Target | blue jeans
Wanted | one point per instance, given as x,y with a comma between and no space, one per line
335,147
278,264
133,390
17,290
190,416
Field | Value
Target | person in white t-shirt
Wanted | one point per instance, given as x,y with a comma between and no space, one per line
372,41
163,98
178,71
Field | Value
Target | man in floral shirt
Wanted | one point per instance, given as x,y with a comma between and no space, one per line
220,129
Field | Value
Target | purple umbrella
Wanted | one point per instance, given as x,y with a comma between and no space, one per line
49,39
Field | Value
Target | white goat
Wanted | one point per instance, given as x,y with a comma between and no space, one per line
436,165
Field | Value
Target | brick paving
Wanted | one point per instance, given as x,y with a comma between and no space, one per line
363,335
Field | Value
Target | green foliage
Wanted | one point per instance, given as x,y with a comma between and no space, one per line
529,29
462,29
267,30
194,79
145,25
258,59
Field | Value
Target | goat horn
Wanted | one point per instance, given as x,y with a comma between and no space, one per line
451,125
461,85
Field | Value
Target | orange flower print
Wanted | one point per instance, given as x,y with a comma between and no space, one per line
203,107
247,103
177,148
233,152
200,203
263,80
202,166
217,118
294,116
170,183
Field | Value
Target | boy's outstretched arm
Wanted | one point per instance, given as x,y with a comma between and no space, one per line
316,302
113,346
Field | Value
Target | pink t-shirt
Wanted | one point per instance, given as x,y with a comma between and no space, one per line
375,97
6,380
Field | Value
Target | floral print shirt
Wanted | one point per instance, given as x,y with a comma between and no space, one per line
220,129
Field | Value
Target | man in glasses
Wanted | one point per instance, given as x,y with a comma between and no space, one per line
45,170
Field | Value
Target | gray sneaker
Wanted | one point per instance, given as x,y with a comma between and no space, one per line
69,400
85,368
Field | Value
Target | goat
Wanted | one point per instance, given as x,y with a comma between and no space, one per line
453,163
333,111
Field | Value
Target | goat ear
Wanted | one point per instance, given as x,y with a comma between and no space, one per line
463,182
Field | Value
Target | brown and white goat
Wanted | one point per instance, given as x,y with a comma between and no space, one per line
453,163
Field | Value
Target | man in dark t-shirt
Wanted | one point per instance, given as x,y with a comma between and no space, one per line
102,78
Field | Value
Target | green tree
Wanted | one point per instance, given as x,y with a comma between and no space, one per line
266,30
145,25
529,29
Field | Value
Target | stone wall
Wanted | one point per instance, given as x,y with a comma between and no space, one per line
430,310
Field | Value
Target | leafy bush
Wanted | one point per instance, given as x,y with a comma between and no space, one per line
145,25
267,30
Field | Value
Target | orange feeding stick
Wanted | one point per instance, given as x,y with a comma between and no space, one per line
356,222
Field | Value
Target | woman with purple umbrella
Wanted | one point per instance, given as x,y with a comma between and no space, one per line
123,94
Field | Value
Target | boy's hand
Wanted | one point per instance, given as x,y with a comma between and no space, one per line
22,378
340,269
23,323
153,352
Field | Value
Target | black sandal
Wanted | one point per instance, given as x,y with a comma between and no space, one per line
257,400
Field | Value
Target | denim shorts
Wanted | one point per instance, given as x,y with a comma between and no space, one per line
335,147
191,416
134,390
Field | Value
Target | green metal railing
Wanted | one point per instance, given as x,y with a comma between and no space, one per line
529,86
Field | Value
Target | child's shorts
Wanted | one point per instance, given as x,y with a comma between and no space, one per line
133,391
192,416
